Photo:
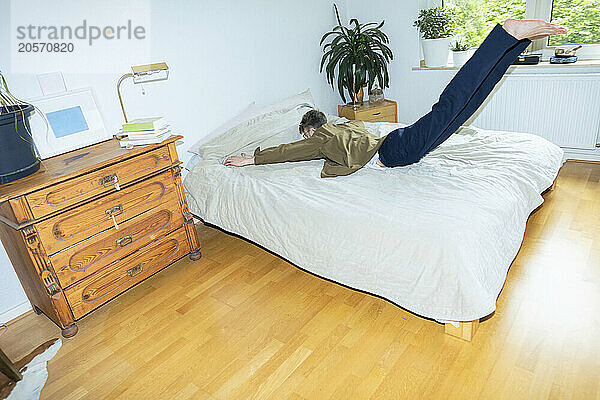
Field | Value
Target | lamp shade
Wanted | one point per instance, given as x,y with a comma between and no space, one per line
150,72
142,74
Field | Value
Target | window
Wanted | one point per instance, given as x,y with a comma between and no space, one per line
475,18
582,17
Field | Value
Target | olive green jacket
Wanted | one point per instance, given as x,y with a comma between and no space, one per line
346,148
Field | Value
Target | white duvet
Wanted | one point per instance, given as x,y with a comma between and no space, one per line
436,237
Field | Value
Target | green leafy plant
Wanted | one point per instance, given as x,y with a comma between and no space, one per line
9,104
15,109
358,54
458,45
7,100
435,23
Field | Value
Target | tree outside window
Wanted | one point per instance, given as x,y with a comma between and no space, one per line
475,18
580,17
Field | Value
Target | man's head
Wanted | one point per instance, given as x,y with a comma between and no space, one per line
311,121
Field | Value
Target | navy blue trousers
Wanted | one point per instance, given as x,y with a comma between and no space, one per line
465,93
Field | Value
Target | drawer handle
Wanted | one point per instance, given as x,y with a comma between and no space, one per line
108,180
124,241
377,113
133,271
115,210
50,282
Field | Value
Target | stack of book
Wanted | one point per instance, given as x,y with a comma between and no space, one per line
144,131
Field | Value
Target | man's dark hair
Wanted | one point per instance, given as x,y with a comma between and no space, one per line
312,119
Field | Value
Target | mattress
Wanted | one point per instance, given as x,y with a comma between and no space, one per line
436,238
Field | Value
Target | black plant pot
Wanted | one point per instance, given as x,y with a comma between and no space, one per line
17,152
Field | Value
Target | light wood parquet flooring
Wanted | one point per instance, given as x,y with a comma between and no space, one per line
243,324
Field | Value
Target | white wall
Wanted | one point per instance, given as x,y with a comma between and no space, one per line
398,16
222,55
414,91
12,297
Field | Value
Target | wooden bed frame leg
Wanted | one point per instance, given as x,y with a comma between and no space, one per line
465,330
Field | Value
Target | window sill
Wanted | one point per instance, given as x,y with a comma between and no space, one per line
543,64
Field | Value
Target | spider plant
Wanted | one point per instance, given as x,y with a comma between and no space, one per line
18,155
12,107
358,54
8,102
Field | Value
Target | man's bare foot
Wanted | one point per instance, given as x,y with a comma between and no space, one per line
532,29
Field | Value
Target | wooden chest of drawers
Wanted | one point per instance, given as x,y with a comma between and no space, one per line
384,112
92,223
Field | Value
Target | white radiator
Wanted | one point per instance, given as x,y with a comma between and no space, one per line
563,108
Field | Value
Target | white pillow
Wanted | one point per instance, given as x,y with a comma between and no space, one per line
249,112
289,103
265,130
253,111
334,119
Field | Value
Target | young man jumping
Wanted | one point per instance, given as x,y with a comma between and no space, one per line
347,147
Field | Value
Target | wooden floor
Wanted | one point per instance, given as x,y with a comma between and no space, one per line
241,324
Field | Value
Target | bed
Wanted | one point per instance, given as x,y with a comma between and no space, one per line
436,238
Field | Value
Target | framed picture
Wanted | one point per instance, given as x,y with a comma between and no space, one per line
71,120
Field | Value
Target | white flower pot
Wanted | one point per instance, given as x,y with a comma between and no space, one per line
435,51
459,57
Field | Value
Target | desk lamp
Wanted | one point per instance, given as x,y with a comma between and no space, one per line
143,74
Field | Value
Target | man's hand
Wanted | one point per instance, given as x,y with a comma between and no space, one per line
239,161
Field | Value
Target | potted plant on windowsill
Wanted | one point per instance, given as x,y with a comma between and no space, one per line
435,24
359,54
460,53
17,151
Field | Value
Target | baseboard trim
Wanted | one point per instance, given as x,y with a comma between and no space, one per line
15,312
582,155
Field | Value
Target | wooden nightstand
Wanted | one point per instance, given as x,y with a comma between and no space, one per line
94,222
385,112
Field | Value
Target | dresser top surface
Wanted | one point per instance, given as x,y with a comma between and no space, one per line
367,106
75,163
